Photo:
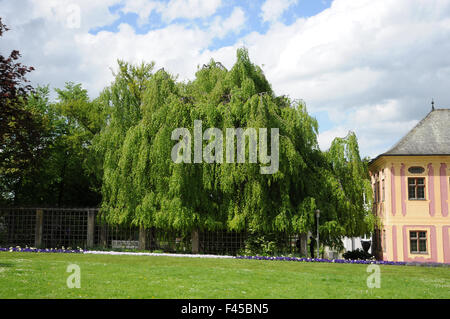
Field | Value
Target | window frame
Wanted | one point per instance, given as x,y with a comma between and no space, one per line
418,239
416,187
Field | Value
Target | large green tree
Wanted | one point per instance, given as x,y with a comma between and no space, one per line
142,185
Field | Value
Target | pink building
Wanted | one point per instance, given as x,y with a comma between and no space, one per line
411,194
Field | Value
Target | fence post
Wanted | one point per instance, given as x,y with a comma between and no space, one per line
304,244
90,228
151,236
142,238
195,242
103,230
103,240
38,230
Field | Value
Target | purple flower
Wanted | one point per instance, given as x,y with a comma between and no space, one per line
325,260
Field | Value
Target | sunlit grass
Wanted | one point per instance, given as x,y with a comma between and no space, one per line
43,275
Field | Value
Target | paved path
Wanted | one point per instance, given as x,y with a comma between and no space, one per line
153,254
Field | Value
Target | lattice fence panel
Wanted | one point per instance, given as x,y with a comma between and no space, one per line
17,227
64,228
221,242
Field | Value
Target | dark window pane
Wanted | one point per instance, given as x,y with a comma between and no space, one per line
421,192
411,192
421,181
411,181
378,190
422,245
413,234
423,234
413,245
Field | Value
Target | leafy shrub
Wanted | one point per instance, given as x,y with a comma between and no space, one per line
257,244
267,244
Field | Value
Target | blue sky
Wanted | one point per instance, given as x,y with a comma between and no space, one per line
371,67
298,9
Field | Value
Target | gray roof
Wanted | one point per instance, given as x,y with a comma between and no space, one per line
431,136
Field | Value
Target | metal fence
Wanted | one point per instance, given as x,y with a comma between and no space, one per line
83,227
221,242
64,228
17,226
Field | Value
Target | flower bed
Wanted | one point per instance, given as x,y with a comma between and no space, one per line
321,260
43,250
298,259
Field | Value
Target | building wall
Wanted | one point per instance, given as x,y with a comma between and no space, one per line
399,215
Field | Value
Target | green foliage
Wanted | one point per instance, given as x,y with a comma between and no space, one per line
61,176
67,152
351,198
143,186
268,244
120,144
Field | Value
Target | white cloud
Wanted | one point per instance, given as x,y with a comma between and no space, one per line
142,8
175,48
234,23
373,66
92,13
357,55
272,10
325,138
190,9
174,9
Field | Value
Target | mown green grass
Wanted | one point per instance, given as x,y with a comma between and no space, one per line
43,275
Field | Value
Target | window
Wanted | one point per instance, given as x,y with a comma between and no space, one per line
377,185
416,188
384,240
418,242
375,194
382,191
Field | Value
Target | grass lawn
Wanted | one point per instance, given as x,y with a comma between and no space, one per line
43,275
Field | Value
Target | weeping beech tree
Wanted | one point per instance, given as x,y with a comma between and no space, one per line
143,186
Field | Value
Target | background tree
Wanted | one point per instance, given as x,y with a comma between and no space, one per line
21,129
63,174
